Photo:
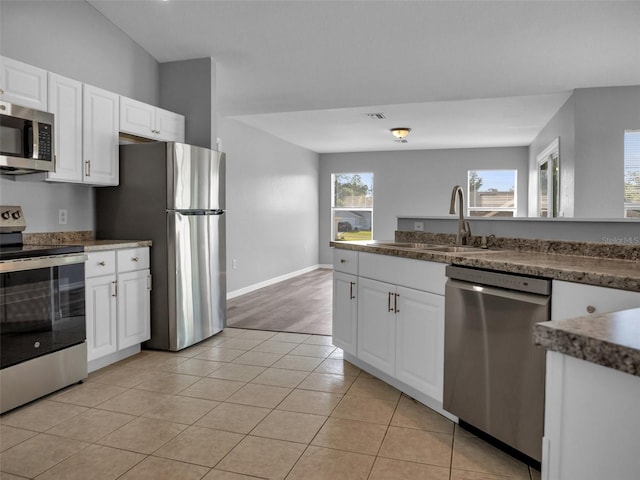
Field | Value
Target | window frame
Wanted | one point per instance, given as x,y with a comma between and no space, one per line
335,209
628,165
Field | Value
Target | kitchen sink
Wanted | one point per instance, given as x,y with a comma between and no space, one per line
433,247
457,249
418,246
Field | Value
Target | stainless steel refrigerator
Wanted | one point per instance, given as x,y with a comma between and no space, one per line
174,195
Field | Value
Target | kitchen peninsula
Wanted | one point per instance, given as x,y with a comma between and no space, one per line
590,400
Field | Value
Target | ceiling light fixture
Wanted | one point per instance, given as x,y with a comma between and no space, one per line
400,132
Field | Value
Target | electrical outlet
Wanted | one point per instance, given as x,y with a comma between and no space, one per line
234,264
62,216
418,226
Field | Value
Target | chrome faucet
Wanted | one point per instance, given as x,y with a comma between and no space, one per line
464,229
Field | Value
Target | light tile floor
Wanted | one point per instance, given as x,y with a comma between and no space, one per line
244,404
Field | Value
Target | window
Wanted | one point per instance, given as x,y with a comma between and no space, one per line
492,193
632,174
549,180
351,206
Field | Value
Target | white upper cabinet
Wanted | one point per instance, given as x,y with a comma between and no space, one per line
147,121
65,102
100,136
23,84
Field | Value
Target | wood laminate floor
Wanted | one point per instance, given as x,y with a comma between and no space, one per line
302,304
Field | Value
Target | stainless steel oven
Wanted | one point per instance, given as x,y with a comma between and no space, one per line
42,321
26,140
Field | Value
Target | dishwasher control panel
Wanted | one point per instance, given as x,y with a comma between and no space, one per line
490,278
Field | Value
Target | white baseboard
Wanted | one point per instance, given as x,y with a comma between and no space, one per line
271,281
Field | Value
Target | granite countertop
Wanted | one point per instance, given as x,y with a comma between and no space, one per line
599,271
609,339
96,245
82,238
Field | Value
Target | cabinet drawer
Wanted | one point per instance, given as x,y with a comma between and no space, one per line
418,274
130,259
345,261
100,263
571,300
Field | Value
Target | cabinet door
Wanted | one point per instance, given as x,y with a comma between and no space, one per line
571,300
137,118
169,126
345,312
420,341
23,84
65,102
376,324
133,308
100,136
101,316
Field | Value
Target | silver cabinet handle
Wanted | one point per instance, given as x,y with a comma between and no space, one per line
134,259
149,282
342,260
115,289
591,309
395,303
87,168
351,295
389,309
102,264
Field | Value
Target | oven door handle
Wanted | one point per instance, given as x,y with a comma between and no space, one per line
18,265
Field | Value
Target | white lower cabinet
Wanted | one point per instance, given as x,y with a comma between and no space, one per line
118,287
133,308
101,313
345,311
420,341
401,333
388,317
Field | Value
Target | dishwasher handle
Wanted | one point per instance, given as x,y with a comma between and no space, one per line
499,292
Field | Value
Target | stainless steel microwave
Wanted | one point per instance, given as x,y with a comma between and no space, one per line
26,140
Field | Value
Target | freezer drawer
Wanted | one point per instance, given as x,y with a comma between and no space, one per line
197,277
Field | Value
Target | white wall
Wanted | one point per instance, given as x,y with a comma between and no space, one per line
413,183
272,206
72,39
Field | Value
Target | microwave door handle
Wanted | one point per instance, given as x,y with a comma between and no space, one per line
36,139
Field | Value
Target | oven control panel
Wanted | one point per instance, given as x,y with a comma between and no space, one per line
11,219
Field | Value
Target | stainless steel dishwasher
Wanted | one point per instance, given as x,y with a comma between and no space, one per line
493,373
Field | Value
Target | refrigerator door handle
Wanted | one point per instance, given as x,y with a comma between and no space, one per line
197,212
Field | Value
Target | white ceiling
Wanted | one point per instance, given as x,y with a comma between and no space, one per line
459,73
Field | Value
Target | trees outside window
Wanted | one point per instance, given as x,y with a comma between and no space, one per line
491,193
351,206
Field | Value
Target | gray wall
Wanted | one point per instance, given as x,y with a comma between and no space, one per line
602,116
591,127
413,183
272,206
189,87
561,125
72,39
